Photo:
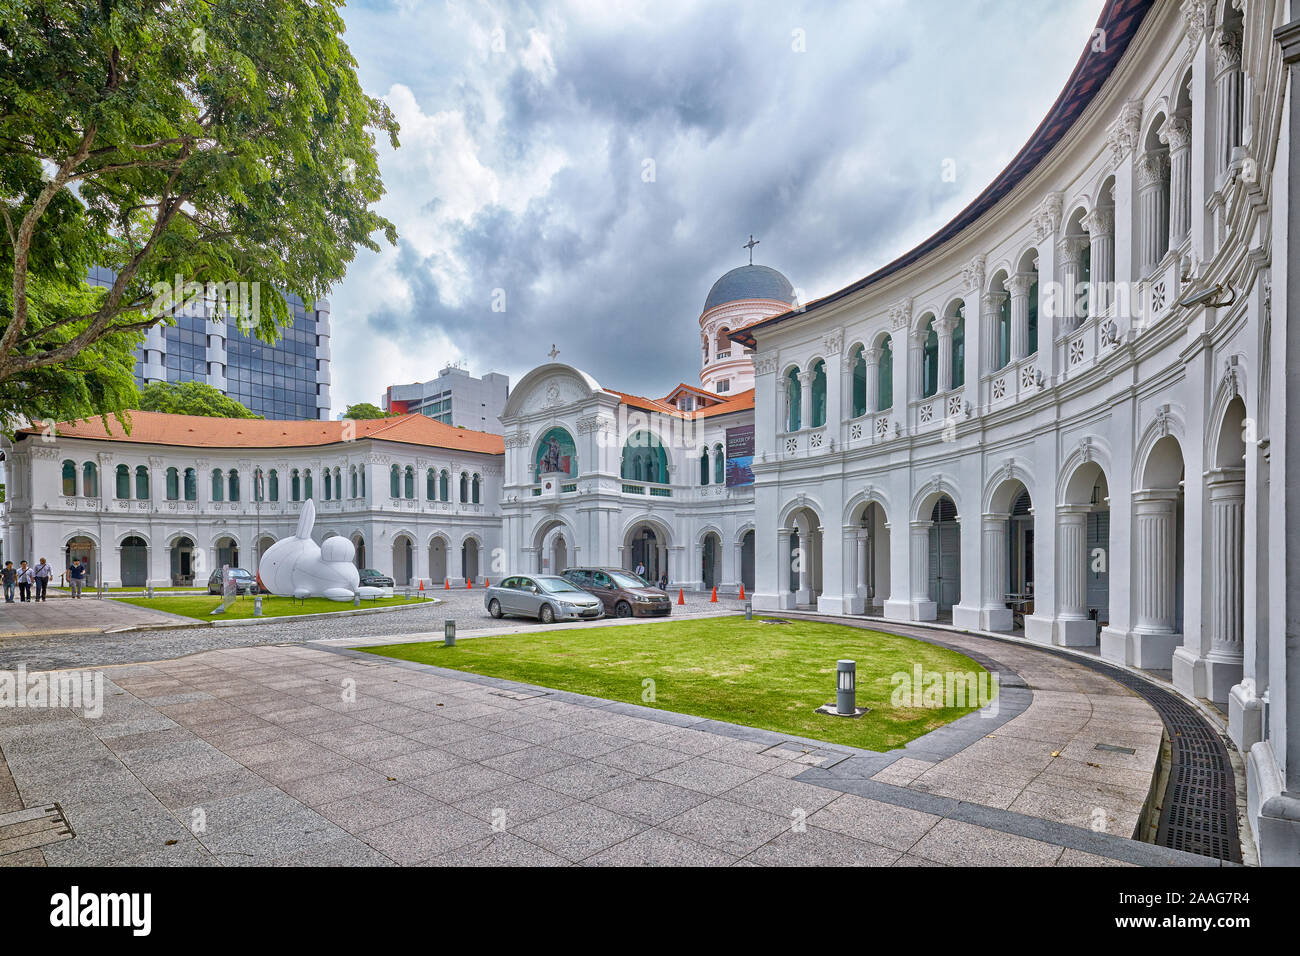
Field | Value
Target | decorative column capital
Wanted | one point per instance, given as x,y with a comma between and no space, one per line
973,274
1048,216
1152,169
1018,284
943,327
1176,131
1100,222
900,313
991,302
1227,50
1124,130
1194,20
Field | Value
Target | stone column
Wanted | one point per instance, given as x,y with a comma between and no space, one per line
1018,285
1100,224
860,563
1074,627
805,540
923,609
1227,496
990,314
1228,97
1152,174
872,359
1155,537
805,399
915,356
944,328
1177,134
995,613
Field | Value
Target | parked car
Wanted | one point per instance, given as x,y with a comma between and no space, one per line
370,578
623,593
245,583
546,597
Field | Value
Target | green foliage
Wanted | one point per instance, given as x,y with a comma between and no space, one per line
364,410
188,142
191,398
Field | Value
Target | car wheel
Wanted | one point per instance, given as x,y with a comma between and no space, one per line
546,615
494,608
622,609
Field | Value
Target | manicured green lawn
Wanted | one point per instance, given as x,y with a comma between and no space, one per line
201,606
768,675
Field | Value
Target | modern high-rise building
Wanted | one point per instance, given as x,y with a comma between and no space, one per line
455,398
290,379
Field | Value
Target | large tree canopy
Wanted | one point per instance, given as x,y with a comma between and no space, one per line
191,398
182,145
365,410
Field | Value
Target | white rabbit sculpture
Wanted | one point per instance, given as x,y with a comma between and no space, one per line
300,567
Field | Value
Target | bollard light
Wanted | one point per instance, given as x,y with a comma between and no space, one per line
749,609
151,592
257,605
448,633
846,687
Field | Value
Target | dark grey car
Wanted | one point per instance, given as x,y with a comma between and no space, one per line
546,597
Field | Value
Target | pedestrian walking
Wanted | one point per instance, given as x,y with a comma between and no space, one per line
42,572
25,579
76,577
10,578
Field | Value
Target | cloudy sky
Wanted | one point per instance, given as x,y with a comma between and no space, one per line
593,167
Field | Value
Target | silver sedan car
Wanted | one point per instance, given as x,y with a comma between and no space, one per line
546,597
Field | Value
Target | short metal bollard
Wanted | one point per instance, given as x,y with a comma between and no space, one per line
846,687
257,605
150,591
749,609
356,599
449,633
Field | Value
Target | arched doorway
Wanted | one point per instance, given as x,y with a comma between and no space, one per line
182,561
263,545
1225,557
747,561
81,548
134,562
646,546
559,553
710,560
802,552
1083,555
227,552
870,565
438,559
402,566
359,551
551,547
469,560
944,566
1007,558
1159,547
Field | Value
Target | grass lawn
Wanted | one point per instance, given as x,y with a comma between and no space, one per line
768,675
200,606
189,589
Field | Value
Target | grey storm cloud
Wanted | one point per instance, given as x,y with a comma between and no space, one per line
831,157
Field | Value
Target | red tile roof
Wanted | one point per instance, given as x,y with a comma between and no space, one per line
157,428
740,402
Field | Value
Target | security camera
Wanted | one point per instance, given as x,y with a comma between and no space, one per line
1205,297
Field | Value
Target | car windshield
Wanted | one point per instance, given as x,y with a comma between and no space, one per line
556,585
374,572
626,579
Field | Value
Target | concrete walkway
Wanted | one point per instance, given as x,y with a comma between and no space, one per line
60,614
303,755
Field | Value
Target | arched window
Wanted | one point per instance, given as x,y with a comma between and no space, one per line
362,473
329,485
123,482
338,484
719,466
464,488
1033,318
218,484
90,480
556,454
394,482
233,475
409,484
353,471
273,486
959,352
859,382
793,400
474,489
173,484
69,478
295,486
704,466
645,458
191,485
306,483
444,481
1004,333
819,395
141,483
259,485
930,361
885,376
430,485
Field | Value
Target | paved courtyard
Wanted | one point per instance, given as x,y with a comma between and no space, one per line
307,754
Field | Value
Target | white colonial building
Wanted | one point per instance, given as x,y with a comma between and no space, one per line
180,496
1063,417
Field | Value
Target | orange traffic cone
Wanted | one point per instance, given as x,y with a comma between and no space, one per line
681,596
714,599
421,584
448,585
469,584
742,592
487,583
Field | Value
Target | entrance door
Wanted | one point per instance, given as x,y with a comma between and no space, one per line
1098,556
135,562
945,556
747,561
